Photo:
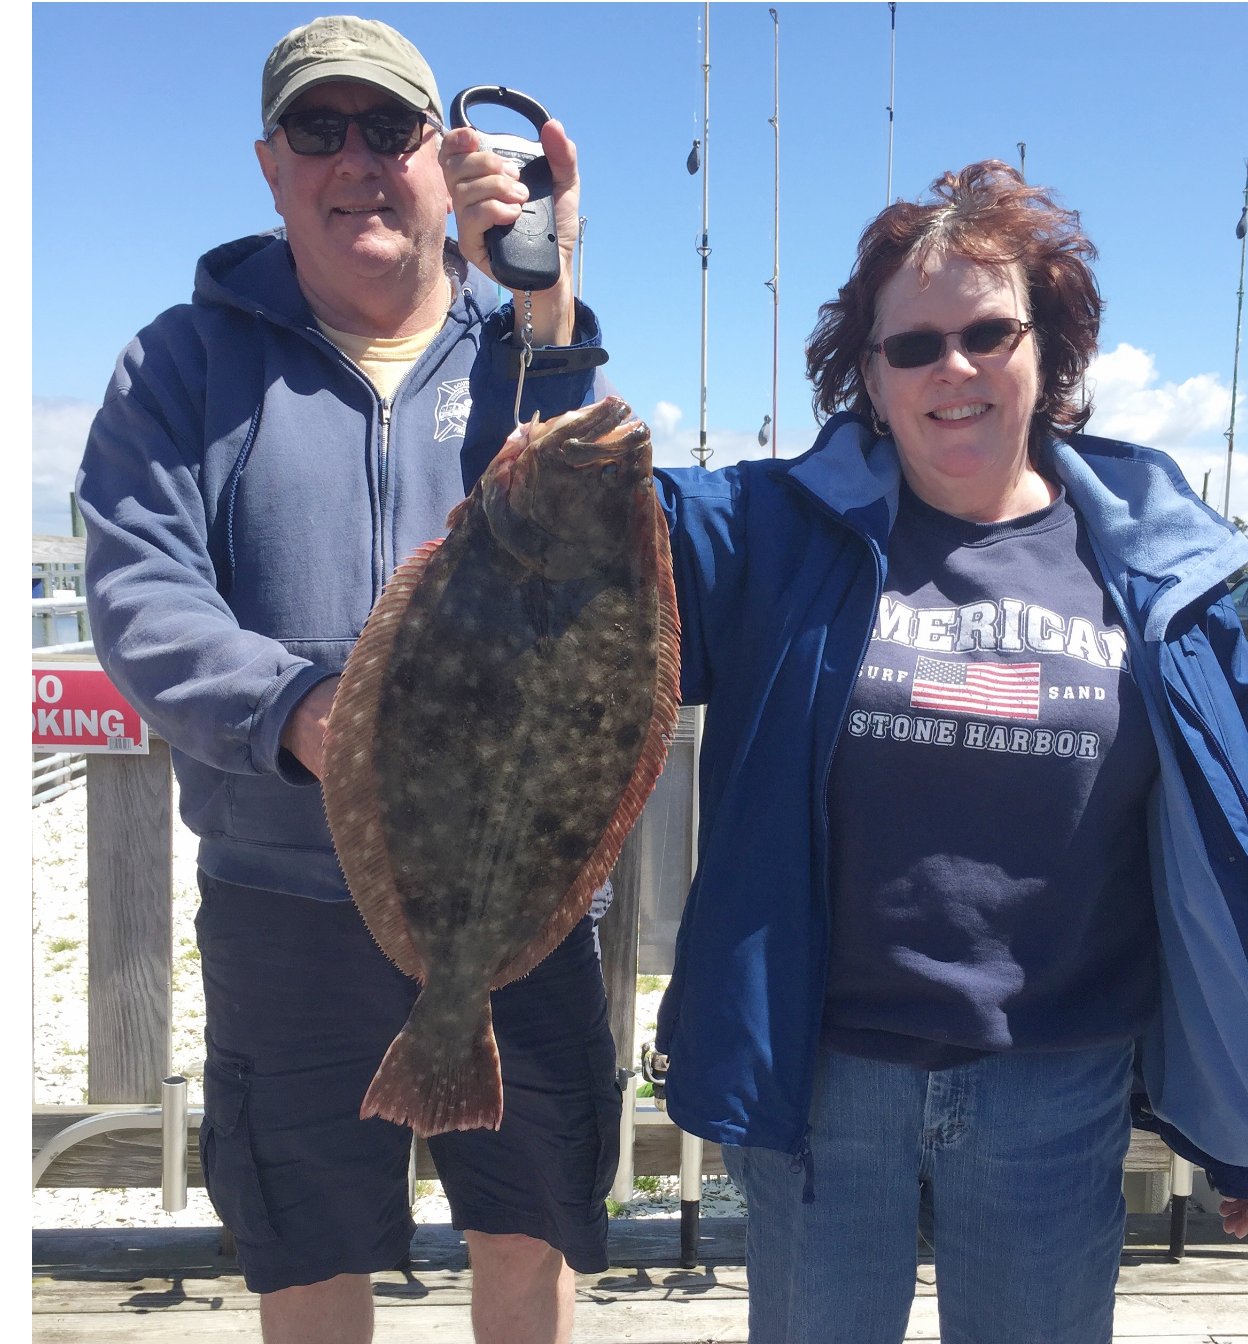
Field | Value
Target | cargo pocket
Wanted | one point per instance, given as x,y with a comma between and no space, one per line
608,1105
225,1149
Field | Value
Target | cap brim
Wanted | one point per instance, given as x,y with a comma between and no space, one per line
358,72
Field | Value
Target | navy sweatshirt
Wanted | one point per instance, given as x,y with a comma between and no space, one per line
989,863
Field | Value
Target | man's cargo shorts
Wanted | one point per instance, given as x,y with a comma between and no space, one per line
301,1007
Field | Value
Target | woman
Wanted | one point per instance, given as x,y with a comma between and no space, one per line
974,755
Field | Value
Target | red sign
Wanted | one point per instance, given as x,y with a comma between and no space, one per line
74,707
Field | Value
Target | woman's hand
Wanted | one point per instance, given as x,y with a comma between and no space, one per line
485,191
1234,1216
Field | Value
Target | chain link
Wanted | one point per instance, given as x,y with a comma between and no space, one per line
526,352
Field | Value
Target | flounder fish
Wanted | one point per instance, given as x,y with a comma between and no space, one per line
495,735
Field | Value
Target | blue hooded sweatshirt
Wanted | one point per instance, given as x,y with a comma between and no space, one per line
246,494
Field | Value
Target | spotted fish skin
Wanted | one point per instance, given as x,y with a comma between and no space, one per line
496,733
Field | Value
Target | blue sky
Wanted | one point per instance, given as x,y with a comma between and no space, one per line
144,117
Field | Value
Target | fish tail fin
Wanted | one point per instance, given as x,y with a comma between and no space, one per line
436,1085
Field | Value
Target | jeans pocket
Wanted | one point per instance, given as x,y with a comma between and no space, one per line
225,1150
736,1165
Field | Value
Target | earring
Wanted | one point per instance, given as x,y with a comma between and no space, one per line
880,426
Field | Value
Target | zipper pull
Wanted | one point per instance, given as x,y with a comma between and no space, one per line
804,1159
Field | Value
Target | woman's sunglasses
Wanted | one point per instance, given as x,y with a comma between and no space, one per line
386,130
913,349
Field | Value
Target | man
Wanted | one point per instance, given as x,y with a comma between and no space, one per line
264,458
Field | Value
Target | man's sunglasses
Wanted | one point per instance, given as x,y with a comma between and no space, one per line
386,130
913,349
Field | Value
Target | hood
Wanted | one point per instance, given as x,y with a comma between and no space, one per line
1157,542
854,472
1154,537
256,274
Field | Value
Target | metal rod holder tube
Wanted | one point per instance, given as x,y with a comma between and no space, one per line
622,1187
690,1197
1180,1194
1180,1175
173,1144
690,1166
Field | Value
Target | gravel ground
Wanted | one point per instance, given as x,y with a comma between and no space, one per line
59,887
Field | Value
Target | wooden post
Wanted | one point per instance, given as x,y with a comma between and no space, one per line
129,925
617,933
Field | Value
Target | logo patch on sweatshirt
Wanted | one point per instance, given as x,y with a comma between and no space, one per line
450,419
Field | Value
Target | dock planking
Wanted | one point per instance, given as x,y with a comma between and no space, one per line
135,1286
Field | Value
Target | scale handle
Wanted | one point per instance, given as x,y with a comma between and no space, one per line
523,255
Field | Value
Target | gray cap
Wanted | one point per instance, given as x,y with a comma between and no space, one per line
344,47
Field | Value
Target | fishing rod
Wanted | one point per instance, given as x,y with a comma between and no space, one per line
1241,232
691,1144
702,452
892,85
1021,146
774,284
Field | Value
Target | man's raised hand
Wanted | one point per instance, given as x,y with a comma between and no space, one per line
485,191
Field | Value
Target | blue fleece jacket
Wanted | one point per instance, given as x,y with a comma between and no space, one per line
246,495
779,568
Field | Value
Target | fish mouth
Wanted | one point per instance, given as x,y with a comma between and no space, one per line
589,424
593,436
620,442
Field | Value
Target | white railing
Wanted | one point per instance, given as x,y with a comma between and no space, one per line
50,776
59,606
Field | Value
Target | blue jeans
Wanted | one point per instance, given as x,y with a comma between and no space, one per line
1021,1156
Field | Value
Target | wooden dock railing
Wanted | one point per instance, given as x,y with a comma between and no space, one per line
130,980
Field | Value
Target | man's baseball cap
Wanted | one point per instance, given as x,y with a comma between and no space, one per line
344,47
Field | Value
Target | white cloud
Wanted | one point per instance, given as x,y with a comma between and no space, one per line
1186,419
58,436
665,419
1132,405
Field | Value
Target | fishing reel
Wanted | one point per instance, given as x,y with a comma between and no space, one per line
523,255
654,1071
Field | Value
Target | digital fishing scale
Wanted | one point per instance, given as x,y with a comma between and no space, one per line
523,255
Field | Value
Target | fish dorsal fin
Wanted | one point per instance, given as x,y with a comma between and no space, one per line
349,784
664,712
460,511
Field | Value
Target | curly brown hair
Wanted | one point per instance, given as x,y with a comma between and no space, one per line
988,214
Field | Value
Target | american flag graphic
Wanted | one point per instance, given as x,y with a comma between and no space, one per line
1005,690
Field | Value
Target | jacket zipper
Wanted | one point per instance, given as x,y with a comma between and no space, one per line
384,473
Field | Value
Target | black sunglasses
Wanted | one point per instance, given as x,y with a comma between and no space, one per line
913,349
386,130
